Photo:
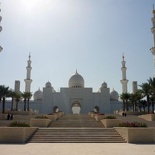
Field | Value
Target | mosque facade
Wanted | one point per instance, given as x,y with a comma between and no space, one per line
76,98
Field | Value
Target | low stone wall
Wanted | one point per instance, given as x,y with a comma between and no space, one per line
109,123
16,134
99,117
21,112
52,117
137,134
3,116
39,122
148,117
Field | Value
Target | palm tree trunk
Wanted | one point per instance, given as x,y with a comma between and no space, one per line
127,106
12,104
153,107
3,105
24,104
28,108
148,104
16,105
123,106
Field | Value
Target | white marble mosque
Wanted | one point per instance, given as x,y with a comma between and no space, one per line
76,98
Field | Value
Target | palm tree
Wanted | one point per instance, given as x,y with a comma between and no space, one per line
12,94
3,93
132,100
17,99
125,97
146,92
25,96
29,95
152,85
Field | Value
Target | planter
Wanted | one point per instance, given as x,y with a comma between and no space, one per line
16,134
21,112
93,114
137,134
148,117
3,116
99,117
52,117
39,122
109,123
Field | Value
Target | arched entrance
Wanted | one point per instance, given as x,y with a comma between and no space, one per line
55,109
96,109
76,107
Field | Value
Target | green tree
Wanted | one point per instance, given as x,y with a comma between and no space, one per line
3,94
125,97
152,85
17,99
146,92
26,96
29,95
12,94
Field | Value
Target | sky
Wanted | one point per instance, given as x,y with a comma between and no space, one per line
65,35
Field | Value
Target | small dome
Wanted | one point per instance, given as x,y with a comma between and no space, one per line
0,28
38,95
114,95
48,84
76,81
104,85
1,48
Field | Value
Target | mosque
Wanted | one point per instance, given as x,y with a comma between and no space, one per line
76,98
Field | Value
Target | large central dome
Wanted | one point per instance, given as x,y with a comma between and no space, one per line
76,81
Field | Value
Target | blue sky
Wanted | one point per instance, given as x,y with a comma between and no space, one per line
65,35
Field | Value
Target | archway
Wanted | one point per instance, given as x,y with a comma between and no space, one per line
76,107
96,109
55,109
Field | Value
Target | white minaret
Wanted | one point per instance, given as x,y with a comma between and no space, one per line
153,32
124,81
0,30
28,76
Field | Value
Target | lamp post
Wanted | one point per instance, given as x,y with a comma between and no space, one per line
0,29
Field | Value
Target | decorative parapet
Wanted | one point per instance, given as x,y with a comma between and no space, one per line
137,134
148,117
40,122
16,134
110,123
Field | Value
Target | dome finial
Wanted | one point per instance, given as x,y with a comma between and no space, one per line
123,56
76,73
29,56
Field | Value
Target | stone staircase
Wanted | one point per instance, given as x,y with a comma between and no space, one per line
76,135
76,129
76,120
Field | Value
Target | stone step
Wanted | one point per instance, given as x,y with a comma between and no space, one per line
76,136
76,129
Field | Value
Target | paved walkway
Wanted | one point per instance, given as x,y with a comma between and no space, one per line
78,149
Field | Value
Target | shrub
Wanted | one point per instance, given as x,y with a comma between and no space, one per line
110,117
101,113
18,124
41,117
132,124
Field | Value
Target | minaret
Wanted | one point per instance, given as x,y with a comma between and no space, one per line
153,32
28,76
124,81
0,29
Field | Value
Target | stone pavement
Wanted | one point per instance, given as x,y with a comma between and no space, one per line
78,149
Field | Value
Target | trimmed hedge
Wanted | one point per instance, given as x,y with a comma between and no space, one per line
18,124
132,124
